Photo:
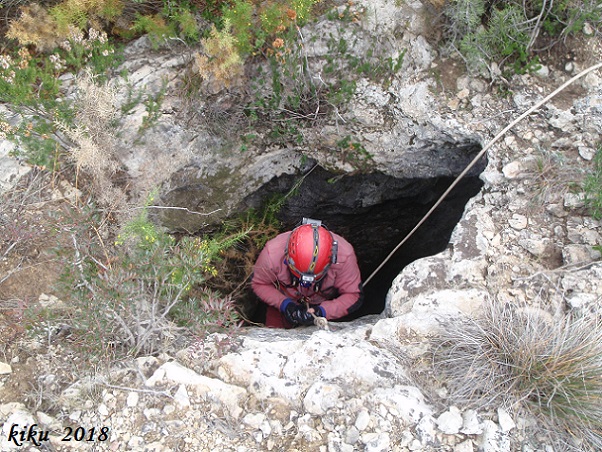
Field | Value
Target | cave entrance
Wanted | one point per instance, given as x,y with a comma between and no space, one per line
374,212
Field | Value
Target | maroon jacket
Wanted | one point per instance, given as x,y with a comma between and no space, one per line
340,291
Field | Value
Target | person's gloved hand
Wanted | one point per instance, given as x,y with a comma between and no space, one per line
289,309
318,310
304,317
297,314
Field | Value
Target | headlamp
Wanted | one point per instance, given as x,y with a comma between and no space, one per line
306,280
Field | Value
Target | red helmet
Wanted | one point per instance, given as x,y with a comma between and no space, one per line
309,252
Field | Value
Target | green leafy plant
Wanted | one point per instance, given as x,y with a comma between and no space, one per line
27,80
36,142
79,13
157,28
152,104
506,36
522,358
187,24
240,18
174,20
354,153
256,26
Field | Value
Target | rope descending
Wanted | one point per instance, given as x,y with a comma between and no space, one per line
478,157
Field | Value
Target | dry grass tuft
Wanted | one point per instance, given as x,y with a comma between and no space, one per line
525,359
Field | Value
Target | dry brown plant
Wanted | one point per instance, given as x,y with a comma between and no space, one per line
34,27
93,137
221,66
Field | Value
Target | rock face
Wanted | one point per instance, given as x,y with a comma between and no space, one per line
525,238
207,175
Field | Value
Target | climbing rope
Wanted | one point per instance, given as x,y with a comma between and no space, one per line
320,322
478,157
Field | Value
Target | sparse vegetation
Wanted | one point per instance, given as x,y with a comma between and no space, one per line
30,84
122,297
523,358
509,34
138,292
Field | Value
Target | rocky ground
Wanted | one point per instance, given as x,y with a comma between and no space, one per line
366,385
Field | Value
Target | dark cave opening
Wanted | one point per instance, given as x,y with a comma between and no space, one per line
374,212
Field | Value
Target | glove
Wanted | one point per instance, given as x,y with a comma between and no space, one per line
288,308
306,318
297,314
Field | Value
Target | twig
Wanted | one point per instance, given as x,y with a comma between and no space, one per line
177,208
536,28
145,391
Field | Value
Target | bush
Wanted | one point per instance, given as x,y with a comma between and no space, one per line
486,31
255,26
125,304
221,65
30,83
525,359
47,28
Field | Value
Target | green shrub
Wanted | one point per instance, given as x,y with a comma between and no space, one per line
503,38
354,153
80,13
126,304
239,18
486,31
256,27
157,28
174,20
522,358
29,82
187,24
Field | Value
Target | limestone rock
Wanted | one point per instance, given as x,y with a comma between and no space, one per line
471,424
18,420
493,439
5,368
228,396
514,170
506,422
321,397
424,314
11,170
450,422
